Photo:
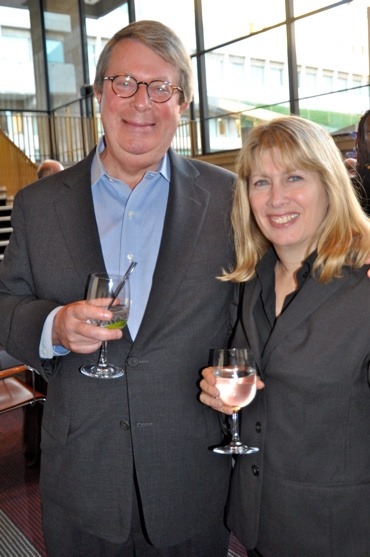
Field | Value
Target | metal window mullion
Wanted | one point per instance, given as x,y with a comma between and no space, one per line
292,58
202,81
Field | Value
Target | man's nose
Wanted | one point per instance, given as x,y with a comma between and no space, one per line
141,99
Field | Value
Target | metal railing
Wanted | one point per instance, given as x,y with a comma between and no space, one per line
69,132
66,134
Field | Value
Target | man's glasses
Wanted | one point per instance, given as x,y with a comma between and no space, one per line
126,86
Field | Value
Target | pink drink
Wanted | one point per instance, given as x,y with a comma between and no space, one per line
236,391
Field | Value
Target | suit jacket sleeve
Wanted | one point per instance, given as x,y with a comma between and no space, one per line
44,266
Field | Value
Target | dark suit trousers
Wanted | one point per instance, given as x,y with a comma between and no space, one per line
63,539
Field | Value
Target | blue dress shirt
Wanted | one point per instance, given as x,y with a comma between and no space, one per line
130,223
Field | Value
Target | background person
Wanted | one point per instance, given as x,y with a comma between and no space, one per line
363,159
48,167
350,165
125,466
301,242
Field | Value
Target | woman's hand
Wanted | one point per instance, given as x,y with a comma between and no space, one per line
210,394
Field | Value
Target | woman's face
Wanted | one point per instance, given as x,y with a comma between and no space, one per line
289,206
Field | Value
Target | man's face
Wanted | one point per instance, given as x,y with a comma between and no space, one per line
136,128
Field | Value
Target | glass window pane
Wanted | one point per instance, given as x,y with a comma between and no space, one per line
180,17
100,30
17,61
260,57
277,74
237,68
65,67
327,80
342,80
223,23
54,51
16,47
261,79
305,6
342,63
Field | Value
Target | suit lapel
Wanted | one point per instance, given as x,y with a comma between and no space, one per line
186,209
251,294
309,298
76,217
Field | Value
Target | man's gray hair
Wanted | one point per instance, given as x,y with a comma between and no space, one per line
161,40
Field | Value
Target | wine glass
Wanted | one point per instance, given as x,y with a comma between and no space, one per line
102,285
236,375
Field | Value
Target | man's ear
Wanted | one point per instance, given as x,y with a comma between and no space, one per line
97,95
183,107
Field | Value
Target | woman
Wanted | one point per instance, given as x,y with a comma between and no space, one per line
301,241
363,160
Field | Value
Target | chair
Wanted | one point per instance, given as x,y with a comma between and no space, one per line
15,393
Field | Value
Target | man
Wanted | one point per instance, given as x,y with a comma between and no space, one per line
48,167
126,467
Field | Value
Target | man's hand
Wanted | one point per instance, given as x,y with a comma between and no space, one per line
71,330
210,394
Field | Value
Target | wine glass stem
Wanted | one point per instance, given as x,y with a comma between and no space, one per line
235,427
103,354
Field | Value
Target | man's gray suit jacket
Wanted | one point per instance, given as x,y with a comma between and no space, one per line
94,432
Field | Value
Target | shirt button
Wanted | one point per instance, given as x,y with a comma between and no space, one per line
124,425
130,257
255,470
258,427
131,214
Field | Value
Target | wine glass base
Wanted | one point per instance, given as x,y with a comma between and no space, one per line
235,449
102,372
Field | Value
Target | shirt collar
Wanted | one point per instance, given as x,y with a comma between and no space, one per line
98,170
265,268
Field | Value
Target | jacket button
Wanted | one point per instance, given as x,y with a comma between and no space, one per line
133,361
258,427
255,470
124,425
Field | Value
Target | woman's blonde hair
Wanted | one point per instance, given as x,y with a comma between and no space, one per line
344,236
